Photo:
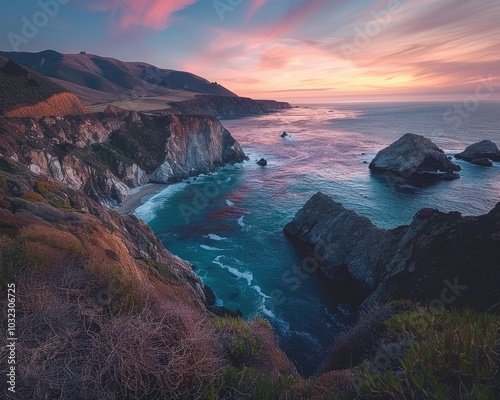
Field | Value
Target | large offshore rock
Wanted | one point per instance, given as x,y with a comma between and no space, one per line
480,153
415,158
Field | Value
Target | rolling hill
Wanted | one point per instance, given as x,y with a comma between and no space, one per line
96,79
24,93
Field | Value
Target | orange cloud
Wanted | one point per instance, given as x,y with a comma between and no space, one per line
153,14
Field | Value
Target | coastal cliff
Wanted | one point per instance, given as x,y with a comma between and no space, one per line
103,303
105,154
225,106
437,252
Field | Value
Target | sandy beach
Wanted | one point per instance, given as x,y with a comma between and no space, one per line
139,197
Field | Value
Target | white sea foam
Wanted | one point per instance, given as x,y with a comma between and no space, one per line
210,248
213,236
267,312
248,276
219,302
240,221
260,292
149,209
229,203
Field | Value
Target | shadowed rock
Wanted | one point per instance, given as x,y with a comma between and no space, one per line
415,158
439,256
480,153
262,162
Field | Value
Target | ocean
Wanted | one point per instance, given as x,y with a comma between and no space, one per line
229,224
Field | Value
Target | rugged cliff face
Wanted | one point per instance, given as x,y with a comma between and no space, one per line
439,256
225,106
105,154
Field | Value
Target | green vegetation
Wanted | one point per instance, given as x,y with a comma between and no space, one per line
20,86
34,197
160,272
451,355
241,344
52,192
257,385
42,248
103,155
124,294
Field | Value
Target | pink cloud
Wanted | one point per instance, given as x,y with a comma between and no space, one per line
297,17
153,14
254,7
275,58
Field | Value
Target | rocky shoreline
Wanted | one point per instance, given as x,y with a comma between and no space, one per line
436,251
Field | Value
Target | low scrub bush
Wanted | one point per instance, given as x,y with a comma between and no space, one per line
450,355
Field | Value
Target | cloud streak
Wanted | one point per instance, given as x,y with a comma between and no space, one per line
151,14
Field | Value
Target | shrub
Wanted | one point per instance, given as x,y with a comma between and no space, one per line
361,341
45,248
34,197
451,354
69,349
253,384
53,193
240,343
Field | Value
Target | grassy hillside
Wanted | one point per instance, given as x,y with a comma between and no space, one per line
18,85
94,78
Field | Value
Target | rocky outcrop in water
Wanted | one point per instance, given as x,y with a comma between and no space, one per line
225,106
262,162
415,158
105,154
439,256
481,153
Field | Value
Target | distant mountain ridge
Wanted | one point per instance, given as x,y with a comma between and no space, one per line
96,79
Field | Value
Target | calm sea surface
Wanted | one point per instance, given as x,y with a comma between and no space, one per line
230,224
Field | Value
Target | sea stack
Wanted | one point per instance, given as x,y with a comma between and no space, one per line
481,153
416,159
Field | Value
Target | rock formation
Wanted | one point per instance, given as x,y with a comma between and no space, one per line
415,158
481,153
437,255
104,154
262,162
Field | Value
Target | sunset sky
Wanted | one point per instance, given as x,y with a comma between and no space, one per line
295,50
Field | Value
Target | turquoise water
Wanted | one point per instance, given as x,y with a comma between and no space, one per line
230,224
